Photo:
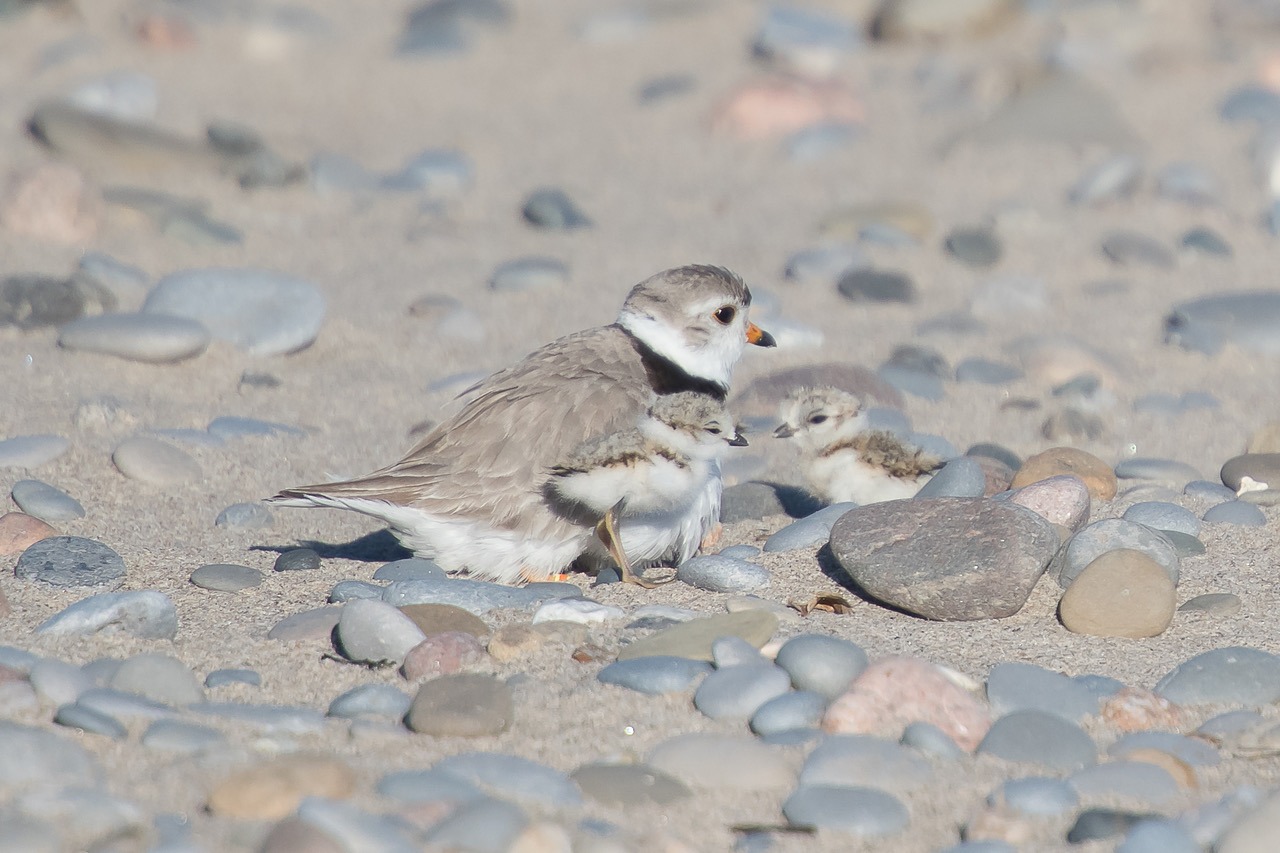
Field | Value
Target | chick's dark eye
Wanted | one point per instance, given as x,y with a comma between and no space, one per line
817,419
714,430
725,314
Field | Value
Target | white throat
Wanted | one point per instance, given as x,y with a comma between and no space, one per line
713,362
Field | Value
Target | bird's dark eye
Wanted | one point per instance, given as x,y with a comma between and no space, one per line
714,430
817,419
725,314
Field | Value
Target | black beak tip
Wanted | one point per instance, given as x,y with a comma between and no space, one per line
738,440
766,340
783,431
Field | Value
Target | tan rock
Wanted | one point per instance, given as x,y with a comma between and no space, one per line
438,618
1123,593
1096,474
895,691
936,20
445,653
19,531
51,202
515,641
1062,500
292,835
774,107
998,475
274,790
999,823
1182,772
1135,709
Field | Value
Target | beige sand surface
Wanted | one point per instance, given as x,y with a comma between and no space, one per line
536,105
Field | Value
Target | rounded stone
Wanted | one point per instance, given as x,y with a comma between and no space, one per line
514,778
1249,319
862,812
152,461
19,531
1231,675
865,761
222,577
1023,686
1038,796
799,710
1153,468
181,737
1213,603
464,705
411,569
1062,499
439,618
694,639
821,664
153,338
1159,835
655,674
30,757
374,632
529,274
718,573
297,560
45,502
70,561
722,762
1096,474
161,678
945,558
223,677
1262,468
1133,248
1040,738
1112,534
551,207
737,692
378,700
876,286
629,784
976,247
1123,593
275,789
962,477
1236,512
258,311
250,515
444,653
1128,780
31,451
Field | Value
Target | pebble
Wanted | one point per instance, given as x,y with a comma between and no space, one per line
629,784
37,301
221,577
151,338
945,558
158,677
741,552
876,286
87,819
1232,675
45,502
694,639
961,477
821,664
275,789
1131,248
1190,750
932,22
581,611
529,274
1213,603
344,591
31,756
813,529
224,677
1160,515
1250,320
737,692
464,705
266,719
1097,476
19,531
297,560
1111,534
231,427
444,653
1158,835
1038,796
511,777
370,700
1262,468
655,674
986,372
932,741
862,812
88,720
1062,500
975,247
58,682
478,597
1131,781
1117,177
1023,686
1209,492
450,26
439,172
551,208
825,264
71,561
251,515
1205,241
895,691
1236,512
145,614
356,829
128,706
315,624
722,762
152,461
374,632
800,710
1040,738
181,737
261,312
484,826
439,618
1095,824
31,451
718,573
1134,708
427,786
1168,470
1122,593
735,651
865,761
411,569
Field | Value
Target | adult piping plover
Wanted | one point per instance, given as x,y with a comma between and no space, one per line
844,460
470,494
641,486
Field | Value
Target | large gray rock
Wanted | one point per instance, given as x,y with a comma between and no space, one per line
945,558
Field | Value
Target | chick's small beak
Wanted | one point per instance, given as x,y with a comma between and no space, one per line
759,337
784,431
738,440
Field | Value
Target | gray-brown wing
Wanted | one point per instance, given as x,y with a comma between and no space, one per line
489,460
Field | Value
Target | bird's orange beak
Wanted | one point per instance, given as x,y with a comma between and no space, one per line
759,337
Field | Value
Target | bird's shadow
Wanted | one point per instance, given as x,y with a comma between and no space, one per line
381,546
830,566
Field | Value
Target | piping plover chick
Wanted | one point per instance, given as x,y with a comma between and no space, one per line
843,460
470,494
641,484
